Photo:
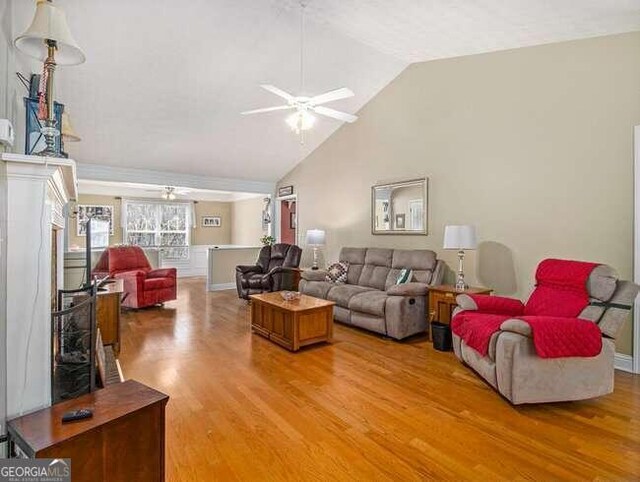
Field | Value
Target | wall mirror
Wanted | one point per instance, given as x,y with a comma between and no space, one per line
400,207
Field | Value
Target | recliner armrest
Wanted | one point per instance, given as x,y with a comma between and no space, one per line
314,275
134,273
244,269
162,273
517,326
498,305
280,269
408,289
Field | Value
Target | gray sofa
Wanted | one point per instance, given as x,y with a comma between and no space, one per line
371,299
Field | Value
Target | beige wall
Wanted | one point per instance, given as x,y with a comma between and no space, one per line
533,146
200,235
221,235
246,217
78,241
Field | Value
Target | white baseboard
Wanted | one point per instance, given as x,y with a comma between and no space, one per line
623,362
221,286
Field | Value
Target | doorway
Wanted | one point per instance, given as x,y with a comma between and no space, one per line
287,220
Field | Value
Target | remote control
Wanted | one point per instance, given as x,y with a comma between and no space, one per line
77,415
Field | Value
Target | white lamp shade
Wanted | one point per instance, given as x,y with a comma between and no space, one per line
316,237
460,237
50,23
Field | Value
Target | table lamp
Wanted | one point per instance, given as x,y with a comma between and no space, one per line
315,238
460,237
48,39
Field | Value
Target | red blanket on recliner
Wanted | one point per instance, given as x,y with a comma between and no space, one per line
551,312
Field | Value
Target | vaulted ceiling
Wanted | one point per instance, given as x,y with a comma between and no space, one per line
165,80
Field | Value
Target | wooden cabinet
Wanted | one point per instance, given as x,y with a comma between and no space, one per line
108,313
123,441
292,324
442,301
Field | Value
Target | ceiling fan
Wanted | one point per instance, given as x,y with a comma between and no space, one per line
169,193
303,119
304,106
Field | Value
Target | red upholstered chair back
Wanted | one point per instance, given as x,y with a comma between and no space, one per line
561,288
121,259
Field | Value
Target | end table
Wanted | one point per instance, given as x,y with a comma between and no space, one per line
442,301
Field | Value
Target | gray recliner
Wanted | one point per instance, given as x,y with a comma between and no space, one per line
514,369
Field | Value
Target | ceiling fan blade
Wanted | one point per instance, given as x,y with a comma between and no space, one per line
336,114
267,109
279,92
332,95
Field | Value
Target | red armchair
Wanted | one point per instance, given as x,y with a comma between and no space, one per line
143,286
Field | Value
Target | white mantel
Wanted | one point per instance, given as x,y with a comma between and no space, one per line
33,193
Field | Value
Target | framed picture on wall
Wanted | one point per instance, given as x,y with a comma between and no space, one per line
400,221
211,221
285,191
85,211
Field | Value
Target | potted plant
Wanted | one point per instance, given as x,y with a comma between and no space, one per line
268,240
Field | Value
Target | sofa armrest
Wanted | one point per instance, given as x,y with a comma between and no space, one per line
280,269
498,305
244,269
517,326
408,289
162,273
314,274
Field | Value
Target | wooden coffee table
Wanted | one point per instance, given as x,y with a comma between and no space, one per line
292,324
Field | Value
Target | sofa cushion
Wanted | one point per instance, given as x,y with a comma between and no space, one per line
374,277
355,258
371,302
376,268
405,276
602,282
341,294
317,289
421,261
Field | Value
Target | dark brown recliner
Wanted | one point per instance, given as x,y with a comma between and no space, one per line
270,273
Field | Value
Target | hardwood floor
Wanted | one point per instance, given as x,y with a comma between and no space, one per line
361,408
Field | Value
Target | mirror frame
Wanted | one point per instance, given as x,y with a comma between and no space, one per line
425,193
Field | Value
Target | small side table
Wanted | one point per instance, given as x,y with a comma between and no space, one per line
442,301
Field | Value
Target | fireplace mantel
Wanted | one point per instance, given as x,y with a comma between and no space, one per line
34,192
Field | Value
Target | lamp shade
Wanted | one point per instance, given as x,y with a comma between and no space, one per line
50,23
315,237
68,134
460,237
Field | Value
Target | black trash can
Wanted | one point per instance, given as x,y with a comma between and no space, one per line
441,335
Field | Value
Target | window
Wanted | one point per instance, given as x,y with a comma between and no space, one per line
163,225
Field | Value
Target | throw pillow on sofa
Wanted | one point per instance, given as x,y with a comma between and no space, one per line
404,276
337,273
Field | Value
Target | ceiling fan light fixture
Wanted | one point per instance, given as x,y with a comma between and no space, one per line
168,193
301,120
